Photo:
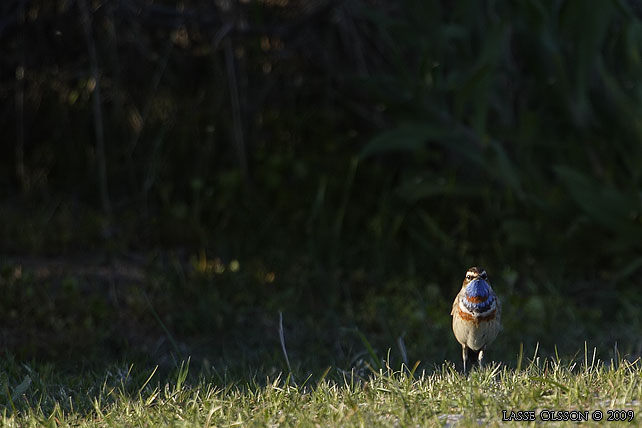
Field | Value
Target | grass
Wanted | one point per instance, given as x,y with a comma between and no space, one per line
125,396
246,381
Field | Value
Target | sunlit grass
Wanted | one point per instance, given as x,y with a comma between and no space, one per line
38,396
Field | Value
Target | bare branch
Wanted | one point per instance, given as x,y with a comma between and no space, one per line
97,107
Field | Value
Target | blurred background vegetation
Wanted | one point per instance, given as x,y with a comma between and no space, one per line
176,174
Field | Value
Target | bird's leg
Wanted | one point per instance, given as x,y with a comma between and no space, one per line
480,357
464,356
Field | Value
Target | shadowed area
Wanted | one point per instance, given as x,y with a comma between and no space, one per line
283,186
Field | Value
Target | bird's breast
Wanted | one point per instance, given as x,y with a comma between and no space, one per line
477,318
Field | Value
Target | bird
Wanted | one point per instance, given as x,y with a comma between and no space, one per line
476,314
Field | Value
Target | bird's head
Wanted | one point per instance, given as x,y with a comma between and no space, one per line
476,284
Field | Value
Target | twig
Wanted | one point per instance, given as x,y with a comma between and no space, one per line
169,335
237,125
282,337
97,107
160,71
20,104
402,350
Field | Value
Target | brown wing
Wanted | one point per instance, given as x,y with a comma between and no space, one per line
455,305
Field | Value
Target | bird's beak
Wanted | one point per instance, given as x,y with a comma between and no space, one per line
479,280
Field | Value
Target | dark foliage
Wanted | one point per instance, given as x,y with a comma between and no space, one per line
364,153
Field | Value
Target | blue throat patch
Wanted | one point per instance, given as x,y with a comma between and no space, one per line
478,290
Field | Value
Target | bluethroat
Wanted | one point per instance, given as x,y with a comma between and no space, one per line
476,315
